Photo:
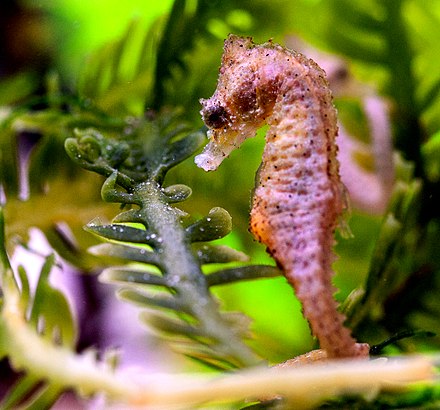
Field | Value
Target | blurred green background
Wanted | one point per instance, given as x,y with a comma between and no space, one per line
391,48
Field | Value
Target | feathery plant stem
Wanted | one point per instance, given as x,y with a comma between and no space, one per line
135,168
182,271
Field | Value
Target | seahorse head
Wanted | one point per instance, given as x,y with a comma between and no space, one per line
246,91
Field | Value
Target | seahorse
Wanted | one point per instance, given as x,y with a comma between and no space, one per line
299,198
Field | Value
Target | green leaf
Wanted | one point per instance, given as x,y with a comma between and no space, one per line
359,16
126,252
166,324
9,167
216,225
22,388
218,254
431,154
430,97
176,38
177,193
384,274
119,76
250,272
133,215
389,233
152,300
48,159
51,308
178,151
16,87
371,51
131,276
92,148
25,288
123,233
4,258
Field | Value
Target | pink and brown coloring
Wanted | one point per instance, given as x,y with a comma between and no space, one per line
299,198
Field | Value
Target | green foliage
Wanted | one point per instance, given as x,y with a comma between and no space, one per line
45,311
133,121
369,35
167,239
389,262
386,38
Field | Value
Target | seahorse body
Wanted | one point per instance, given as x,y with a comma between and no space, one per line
299,197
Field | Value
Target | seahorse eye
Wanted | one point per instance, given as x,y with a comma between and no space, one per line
215,117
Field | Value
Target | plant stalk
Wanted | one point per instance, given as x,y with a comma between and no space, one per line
183,273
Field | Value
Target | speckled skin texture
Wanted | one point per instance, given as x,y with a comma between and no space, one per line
299,198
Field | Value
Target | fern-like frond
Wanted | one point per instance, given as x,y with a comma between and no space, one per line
169,248
402,267
117,77
32,141
131,73
162,66
34,170
390,38
182,29
358,32
116,80
379,36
